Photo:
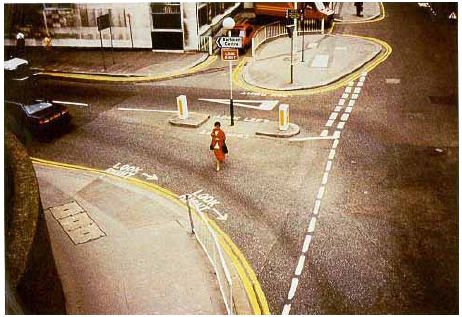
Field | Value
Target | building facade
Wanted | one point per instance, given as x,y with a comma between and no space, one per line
164,26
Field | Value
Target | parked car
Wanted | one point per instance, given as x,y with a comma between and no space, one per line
39,117
16,69
245,30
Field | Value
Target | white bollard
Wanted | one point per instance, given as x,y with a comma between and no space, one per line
283,117
182,104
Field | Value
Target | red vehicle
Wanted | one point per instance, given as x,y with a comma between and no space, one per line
245,30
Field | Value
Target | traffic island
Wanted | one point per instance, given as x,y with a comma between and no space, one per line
271,129
194,120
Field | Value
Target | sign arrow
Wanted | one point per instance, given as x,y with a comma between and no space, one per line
220,216
152,177
266,105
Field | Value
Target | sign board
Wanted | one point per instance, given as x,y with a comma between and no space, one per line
293,13
103,21
229,54
229,42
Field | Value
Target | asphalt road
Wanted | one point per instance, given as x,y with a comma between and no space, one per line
386,237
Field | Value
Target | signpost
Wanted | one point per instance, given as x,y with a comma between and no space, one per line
104,22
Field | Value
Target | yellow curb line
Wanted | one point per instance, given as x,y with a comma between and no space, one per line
247,275
105,78
237,74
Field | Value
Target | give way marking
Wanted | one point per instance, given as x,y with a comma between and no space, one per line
263,104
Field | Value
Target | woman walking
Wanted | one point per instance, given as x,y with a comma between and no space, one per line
218,144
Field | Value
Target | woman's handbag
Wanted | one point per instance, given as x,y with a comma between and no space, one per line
224,148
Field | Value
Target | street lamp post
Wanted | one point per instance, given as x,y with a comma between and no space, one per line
228,24
302,25
290,32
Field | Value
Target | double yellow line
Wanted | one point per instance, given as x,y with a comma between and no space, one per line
134,79
246,274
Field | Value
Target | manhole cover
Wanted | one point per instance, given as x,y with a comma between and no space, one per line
76,222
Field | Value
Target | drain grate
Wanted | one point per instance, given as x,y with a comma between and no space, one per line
76,223
443,100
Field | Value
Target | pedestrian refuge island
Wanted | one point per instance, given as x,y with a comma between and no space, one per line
184,118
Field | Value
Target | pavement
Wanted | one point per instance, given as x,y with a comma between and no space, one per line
346,12
114,245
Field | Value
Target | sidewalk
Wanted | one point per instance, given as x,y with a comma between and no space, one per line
135,255
127,62
327,58
346,12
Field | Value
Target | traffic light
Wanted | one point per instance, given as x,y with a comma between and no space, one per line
290,30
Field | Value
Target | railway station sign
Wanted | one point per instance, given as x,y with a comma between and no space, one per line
229,42
229,54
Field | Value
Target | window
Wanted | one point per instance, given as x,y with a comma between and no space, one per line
166,15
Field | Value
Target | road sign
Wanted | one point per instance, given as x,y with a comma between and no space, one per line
103,22
229,42
292,13
229,54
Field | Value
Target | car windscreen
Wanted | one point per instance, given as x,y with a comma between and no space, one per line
31,109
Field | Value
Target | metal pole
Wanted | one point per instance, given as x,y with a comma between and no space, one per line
190,216
231,106
302,20
110,31
130,25
102,50
292,60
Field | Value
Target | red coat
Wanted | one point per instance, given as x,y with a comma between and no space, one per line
218,138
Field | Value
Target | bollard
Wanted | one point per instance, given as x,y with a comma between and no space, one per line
182,104
283,117
190,216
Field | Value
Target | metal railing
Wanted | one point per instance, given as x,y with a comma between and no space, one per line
206,44
277,29
208,240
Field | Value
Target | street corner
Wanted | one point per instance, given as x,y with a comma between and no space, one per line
193,120
323,63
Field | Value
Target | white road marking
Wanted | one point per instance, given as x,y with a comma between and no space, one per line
351,103
147,110
293,288
71,103
332,154
348,89
334,145
360,84
324,133
301,263
317,204
392,81
337,134
333,116
340,125
306,243
345,96
354,96
348,109
312,225
286,309
325,178
337,109
321,192
329,123
344,117
263,104
362,79
364,74
357,90
328,165
329,137
341,102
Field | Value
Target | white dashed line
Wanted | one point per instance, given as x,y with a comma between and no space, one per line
341,102
354,96
312,225
324,178
364,74
344,117
293,288
357,90
333,116
345,96
337,109
328,165
324,132
360,84
329,123
306,243
348,109
362,79
351,103
301,263
317,205
341,125
334,145
337,134
286,309
348,89
321,192
331,154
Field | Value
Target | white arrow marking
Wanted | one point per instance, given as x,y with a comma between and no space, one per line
220,216
264,104
71,103
152,177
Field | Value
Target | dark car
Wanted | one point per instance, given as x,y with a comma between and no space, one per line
39,117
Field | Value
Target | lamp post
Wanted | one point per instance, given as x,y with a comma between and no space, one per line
290,32
228,24
302,25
